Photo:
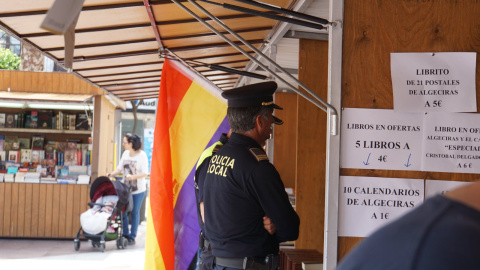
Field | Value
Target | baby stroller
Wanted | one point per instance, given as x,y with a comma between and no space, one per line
111,230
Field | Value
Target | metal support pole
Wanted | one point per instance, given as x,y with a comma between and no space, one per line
333,111
332,177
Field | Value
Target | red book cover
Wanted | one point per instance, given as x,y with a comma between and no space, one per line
79,157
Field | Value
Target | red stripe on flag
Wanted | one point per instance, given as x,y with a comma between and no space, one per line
161,186
176,85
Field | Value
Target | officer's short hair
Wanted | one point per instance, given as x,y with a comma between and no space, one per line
242,119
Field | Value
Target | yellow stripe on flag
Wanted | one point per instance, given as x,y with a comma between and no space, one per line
153,256
190,133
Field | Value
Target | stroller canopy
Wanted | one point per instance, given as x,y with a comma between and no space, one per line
103,186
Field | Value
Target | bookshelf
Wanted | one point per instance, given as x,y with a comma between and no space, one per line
44,210
42,131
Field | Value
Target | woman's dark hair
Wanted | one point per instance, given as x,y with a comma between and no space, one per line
135,140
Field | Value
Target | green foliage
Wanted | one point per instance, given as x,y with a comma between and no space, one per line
9,60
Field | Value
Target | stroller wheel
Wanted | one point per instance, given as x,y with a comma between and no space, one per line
122,243
95,244
76,244
102,247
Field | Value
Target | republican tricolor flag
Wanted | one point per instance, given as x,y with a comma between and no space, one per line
191,115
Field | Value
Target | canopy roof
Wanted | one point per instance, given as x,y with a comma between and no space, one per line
119,43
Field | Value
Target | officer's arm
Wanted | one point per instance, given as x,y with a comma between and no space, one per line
268,187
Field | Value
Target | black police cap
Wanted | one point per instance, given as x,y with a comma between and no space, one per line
259,94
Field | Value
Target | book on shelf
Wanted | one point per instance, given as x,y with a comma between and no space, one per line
2,139
77,170
67,179
14,155
32,177
10,121
82,122
44,119
48,180
9,178
24,143
60,158
38,142
25,155
70,157
83,179
10,142
38,155
2,176
72,121
3,155
19,177
34,119
2,120
21,120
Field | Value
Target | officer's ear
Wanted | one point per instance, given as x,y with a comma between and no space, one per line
260,122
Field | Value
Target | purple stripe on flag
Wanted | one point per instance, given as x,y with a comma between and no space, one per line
186,228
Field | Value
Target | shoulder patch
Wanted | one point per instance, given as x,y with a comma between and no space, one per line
259,154
216,148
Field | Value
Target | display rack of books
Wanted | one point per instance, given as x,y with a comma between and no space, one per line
37,160
48,121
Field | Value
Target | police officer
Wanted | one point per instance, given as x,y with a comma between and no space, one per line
206,260
242,188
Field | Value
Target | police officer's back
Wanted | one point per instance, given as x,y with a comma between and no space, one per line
242,186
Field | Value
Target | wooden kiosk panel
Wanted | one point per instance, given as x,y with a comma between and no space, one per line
374,29
52,210
36,216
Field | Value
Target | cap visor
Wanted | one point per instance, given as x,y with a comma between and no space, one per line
277,121
275,106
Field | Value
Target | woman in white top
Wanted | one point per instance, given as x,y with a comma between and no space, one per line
134,166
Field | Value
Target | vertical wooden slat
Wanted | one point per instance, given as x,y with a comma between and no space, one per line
311,146
41,82
6,80
70,81
21,80
77,201
55,210
285,151
2,204
70,210
42,210
49,210
35,209
35,78
48,83
14,80
3,85
14,208
27,79
20,223
28,210
62,210
7,210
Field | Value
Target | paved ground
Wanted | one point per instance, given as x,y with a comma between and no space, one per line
19,254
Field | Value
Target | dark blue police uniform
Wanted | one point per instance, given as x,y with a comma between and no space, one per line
242,186
207,259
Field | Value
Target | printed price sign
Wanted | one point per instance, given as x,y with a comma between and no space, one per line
435,187
451,142
381,139
368,203
424,82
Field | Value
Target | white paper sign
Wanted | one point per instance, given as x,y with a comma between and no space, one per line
381,139
434,187
367,203
451,142
434,81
